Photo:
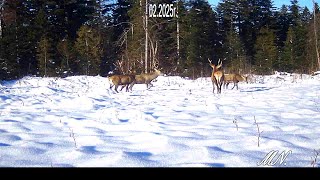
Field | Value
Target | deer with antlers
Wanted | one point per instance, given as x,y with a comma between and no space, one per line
217,75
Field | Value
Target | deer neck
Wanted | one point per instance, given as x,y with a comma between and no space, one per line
215,69
154,75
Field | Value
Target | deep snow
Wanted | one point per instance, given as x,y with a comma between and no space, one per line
78,121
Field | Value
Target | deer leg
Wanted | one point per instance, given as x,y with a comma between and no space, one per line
131,85
122,87
220,86
111,85
234,83
237,86
127,87
227,84
214,83
116,88
212,87
149,85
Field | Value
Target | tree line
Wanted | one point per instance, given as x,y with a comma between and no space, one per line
60,38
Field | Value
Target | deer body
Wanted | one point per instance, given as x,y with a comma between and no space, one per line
235,78
146,78
217,76
126,80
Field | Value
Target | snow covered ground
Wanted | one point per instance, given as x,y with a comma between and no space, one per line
79,122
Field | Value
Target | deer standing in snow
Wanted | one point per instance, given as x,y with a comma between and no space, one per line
126,80
235,78
217,75
146,78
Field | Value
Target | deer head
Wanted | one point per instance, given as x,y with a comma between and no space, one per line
215,67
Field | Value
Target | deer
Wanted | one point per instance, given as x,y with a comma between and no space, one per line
217,75
126,80
235,78
146,78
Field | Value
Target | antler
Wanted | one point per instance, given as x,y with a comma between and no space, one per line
156,65
210,61
219,64
120,65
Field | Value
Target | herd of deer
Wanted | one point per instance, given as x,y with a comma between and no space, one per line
129,80
218,78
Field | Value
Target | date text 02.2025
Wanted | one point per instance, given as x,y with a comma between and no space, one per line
162,10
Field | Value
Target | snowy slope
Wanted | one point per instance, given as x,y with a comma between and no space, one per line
78,122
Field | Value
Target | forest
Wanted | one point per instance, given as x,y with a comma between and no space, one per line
62,38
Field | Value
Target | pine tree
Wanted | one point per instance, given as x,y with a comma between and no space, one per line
9,67
282,25
135,38
163,41
313,31
286,62
235,58
88,46
182,27
45,62
201,37
266,51
66,51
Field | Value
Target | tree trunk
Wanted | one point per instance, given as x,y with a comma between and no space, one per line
315,33
45,62
178,34
146,38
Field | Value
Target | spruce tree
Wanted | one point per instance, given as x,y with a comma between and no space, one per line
67,55
201,37
266,51
88,46
235,57
286,62
44,57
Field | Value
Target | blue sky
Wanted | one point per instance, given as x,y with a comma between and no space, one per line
279,3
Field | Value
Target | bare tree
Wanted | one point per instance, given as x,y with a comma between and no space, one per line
146,39
178,34
315,32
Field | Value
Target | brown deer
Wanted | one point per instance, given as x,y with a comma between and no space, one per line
126,80
235,78
217,75
146,78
